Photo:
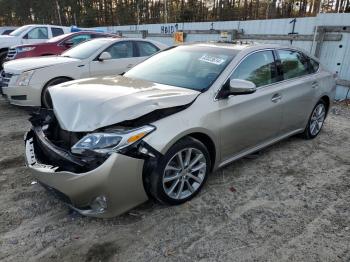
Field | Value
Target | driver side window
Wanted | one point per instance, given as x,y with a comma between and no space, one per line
121,50
38,33
258,68
75,40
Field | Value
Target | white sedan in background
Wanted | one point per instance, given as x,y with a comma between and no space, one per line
25,81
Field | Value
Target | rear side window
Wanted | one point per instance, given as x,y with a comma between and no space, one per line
294,63
146,48
258,68
56,31
7,32
75,40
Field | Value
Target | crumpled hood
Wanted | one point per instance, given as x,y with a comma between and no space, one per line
88,104
20,65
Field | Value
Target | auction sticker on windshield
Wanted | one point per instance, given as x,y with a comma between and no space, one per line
212,59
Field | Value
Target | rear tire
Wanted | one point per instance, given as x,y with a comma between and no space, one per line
46,101
180,173
316,120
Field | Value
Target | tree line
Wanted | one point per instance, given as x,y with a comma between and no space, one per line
89,13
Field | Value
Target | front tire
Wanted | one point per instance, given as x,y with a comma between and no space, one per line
46,101
316,121
180,173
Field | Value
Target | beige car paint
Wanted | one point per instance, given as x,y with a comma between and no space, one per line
236,125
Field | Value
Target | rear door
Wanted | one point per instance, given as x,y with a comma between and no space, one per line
124,56
145,49
252,119
298,89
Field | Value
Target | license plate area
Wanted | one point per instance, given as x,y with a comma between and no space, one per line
31,158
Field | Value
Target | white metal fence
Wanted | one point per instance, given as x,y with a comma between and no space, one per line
334,48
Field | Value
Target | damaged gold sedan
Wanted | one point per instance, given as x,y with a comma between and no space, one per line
157,131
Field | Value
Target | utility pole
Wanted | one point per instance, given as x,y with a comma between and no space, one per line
59,13
165,11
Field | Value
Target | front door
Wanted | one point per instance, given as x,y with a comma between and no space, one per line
36,35
252,119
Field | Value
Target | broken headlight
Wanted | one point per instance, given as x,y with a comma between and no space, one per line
112,141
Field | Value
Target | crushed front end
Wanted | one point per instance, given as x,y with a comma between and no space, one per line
100,183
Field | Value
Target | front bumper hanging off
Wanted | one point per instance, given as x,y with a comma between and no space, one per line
108,190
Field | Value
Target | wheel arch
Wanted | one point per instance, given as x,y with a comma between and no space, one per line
208,143
48,82
58,77
327,101
6,49
201,135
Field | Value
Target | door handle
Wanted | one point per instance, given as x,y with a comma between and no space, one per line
276,98
314,84
130,66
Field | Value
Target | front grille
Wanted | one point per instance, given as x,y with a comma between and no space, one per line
11,54
6,77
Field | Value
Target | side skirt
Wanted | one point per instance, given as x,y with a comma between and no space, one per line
257,148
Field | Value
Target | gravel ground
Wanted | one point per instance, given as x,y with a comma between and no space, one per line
291,203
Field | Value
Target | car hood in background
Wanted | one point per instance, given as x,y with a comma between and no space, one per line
20,65
88,104
6,40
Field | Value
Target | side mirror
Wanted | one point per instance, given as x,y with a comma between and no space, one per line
104,56
25,36
237,87
241,87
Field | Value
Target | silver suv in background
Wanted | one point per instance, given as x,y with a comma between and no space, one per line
162,127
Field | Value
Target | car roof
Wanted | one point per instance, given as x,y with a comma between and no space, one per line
90,32
250,46
239,45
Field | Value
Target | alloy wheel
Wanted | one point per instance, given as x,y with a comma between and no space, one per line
317,119
184,173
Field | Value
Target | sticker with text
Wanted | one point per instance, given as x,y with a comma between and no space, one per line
212,59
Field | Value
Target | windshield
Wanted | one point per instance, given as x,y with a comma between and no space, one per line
20,30
192,67
86,49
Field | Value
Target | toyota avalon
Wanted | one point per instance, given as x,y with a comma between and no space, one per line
160,129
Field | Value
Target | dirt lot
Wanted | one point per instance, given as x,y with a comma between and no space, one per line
289,204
